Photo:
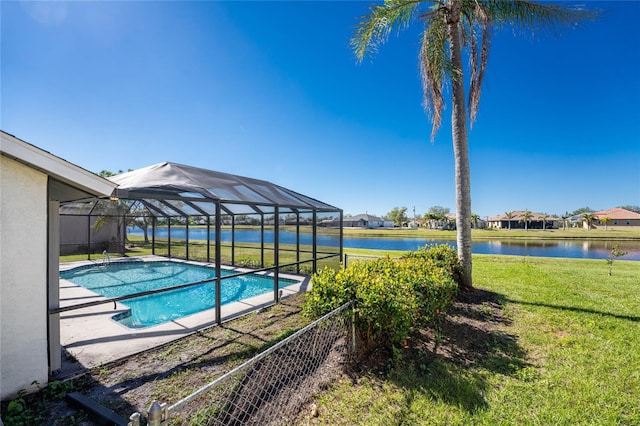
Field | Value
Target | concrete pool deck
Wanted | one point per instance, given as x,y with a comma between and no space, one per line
93,338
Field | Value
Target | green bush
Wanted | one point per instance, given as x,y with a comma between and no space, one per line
443,255
391,295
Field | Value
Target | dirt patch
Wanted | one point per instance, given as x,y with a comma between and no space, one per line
469,334
466,335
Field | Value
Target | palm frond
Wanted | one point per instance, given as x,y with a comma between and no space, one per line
535,15
480,24
374,28
435,67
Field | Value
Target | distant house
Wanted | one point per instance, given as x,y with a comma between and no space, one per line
618,218
516,221
575,220
417,223
479,224
366,221
446,222
450,223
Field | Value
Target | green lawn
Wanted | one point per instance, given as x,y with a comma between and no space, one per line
563,348
245,254
479,234
567,351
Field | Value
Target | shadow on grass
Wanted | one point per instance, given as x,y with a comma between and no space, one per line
574,309
471,347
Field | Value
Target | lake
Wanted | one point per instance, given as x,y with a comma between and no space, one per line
585,249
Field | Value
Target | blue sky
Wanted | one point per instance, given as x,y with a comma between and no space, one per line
272,90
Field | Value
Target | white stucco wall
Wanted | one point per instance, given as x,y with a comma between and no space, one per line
23,277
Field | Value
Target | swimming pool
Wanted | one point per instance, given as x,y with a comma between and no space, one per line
125,278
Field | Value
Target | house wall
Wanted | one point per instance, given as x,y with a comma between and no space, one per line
74,239
618,224
23,278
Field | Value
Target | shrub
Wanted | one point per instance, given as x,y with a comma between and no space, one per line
443,255
391,295
331,289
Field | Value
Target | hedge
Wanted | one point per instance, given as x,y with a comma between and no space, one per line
391,295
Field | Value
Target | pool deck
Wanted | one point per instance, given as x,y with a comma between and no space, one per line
93,338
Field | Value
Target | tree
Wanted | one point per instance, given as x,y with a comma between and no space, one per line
398,215
138,215
615,253
544,221
509,216
108,173
564,218
581,210
449,27
474,219
429,218
439,211
604,220
142,221
437,217
526,217
588,219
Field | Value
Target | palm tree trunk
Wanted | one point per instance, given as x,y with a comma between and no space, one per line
460,148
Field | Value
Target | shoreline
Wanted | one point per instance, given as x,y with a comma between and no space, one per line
612,234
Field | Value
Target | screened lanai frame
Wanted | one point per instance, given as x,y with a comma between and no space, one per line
170,192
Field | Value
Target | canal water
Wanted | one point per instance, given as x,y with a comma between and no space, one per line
585,249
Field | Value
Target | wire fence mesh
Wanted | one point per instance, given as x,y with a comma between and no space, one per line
271,388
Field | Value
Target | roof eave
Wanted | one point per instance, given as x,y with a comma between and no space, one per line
54,166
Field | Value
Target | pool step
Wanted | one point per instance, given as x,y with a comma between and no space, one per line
102,415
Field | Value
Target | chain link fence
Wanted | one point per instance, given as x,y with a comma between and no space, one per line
271,388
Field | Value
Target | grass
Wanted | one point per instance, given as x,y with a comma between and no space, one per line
612,232
560,345
479,234
250,252
245,254
567,353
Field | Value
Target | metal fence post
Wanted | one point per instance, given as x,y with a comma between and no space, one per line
135,419
353,329
157,414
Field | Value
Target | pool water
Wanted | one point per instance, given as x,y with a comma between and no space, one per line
124,278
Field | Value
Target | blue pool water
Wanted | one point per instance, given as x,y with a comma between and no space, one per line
124,278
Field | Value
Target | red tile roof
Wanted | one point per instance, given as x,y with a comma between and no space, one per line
617,214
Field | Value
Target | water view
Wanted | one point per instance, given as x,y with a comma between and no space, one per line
585,249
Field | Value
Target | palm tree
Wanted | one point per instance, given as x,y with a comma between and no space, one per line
428,219
588,218
526,217
604,220
509,216
544,221
474,219
450,26
564,217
